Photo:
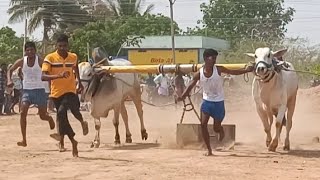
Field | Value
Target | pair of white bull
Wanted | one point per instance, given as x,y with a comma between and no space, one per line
274,91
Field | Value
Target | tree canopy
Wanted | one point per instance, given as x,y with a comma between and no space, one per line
52,14
243,19
129,7
11,46
111,34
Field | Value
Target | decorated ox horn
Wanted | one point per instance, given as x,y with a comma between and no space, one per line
98,54
100,58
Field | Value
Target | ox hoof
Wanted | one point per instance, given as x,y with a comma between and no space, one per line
268,143
128,139
144,134
117,142
272,148
95,144
286,148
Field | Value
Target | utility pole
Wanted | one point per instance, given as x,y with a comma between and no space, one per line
172,31
25,31
88,51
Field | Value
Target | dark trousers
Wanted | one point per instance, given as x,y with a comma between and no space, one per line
62,104
7,103
2,101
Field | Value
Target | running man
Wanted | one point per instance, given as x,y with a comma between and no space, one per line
211,82
60,68
32,90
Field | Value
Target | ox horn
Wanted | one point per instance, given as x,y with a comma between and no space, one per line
100,62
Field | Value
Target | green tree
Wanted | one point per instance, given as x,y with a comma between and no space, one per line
52,14
34,10
129,7
112,34
11,46
242,19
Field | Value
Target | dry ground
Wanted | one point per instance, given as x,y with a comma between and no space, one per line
158,157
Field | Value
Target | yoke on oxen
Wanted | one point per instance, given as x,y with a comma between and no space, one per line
125,68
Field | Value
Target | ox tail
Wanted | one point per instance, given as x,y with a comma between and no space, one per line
284,120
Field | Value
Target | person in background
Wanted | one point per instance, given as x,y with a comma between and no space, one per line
179,86
8,93
162,82
46,85
3,82
151,87
17,89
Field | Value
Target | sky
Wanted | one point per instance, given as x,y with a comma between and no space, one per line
306,21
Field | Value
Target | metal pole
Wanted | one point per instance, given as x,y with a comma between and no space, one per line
88,51
120,48
25,31
172,31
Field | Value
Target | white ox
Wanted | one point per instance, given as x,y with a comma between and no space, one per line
274,91
108,92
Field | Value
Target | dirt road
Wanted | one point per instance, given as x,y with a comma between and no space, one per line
158,157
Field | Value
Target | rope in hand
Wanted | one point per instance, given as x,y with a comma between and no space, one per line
186,109
246,75
283,67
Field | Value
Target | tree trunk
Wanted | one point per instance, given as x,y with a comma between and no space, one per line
45,38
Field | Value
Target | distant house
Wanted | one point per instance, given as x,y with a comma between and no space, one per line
157,49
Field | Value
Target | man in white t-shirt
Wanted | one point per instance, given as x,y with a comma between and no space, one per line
33,90
162,82
211,82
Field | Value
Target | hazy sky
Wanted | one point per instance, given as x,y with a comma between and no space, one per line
306,21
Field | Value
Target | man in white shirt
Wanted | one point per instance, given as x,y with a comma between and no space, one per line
33,89
211,82
162,82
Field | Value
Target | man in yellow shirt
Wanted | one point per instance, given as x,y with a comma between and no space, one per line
58,68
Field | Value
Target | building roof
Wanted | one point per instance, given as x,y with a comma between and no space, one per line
181,42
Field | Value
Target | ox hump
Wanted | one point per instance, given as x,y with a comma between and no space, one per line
262,52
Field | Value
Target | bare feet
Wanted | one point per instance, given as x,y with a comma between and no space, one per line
61,147
51,123
62,150
85,128
55,136
221,134
22,143
75,148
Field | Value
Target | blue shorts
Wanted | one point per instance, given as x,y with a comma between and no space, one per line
216,110
34,96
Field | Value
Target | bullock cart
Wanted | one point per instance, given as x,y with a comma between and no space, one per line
187,135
